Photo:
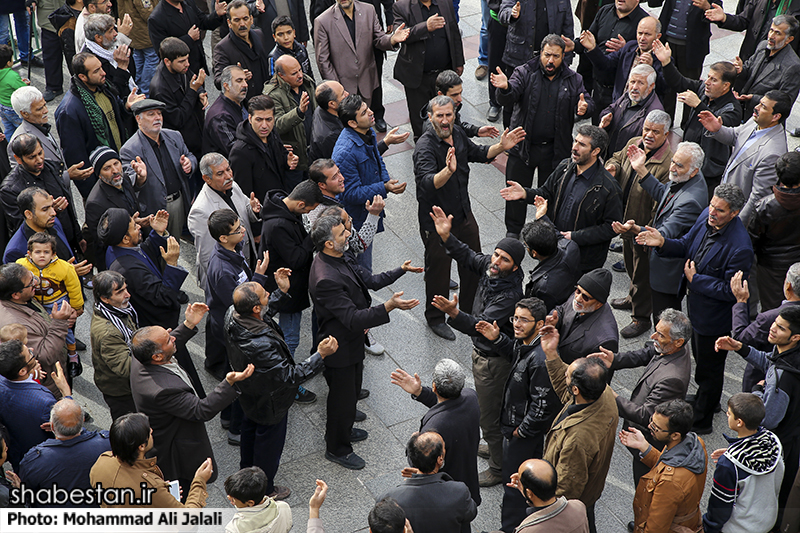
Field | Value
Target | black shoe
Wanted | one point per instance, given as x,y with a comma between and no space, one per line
234,439
49,95
619,266
493,115
691,398
218,373
360,416
443,330
795,132
357,435
380,125
87,418
35,62
183,298
621,303
80,346
304,395
615,247
703,430
362,394
453,285
224,423
351,460
75,368
631,526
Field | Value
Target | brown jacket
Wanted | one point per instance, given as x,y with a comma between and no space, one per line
580,445
668,498
113,473
139,10
563,516
639,205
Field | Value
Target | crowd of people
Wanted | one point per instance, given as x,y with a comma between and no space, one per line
279,185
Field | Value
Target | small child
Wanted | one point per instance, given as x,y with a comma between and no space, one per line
246,490
10,81
283,33
14,332
57,280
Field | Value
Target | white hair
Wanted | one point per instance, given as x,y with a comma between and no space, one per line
644,70
695,152
23,98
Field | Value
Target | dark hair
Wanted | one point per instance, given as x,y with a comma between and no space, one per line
788,169
261,102
792,315
79,63
748,408
247,484
24,144
387,517
245,298
221,222
143,349
11,275
727,71
236,4
6,55
324,95
317,168
446,80
105,283
535,306
322,230
544,489
308,192
553,40
541,237
25,200
589,375
598,136
172,48
680,415
127,433
424,449
783,103
283,20
41,237
349,107
11,359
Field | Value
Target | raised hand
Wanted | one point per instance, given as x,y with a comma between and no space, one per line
570,44
220,8
172,253
400,34
516,10
637,159
198,80
740,288
60,379
488,131
407,382
448,307
317,499
255,205
490,331
442,222
716,14
292,160
620,228
328,346
549,341
82,268
739,64
435,22
392,137
304,102
282,278
61,312
451,161
235,377
205,471
551,319
689,98
133,97
406,266
606,356
194,314
615,43
727,343
396,302
514,191
606,120
125,25
262,264
541,206
60,203
499,80
588,40
650,236
583,105
662,52
395,187
633,438
140,168
121,55
716,454
510,139
376,205
159,221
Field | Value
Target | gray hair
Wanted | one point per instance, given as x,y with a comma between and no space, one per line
732,194
440,100
227,74
695,152
553,40
23,98
793,277
644,70
679,325
598,136
322,231
658,22
97,24
211,159
66,418
449,378
790,21
657,116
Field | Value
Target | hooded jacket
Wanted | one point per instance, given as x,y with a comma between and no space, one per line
56,280
747,480
775,228
269,516
668,497
258,167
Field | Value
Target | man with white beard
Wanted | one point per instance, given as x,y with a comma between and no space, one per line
679,202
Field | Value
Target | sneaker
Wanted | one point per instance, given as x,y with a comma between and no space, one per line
483,451
374,349
234,439
360,416
304,395
363,394
615,246
443,330
635,328
351,460
619,266
481,72
280,493
493,115
357,435
487,478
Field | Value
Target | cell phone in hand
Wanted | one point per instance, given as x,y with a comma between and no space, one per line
175,490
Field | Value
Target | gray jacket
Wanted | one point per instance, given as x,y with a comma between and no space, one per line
52,150
759,76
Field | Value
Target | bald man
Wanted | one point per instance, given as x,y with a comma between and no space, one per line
293,92
66,459
537,480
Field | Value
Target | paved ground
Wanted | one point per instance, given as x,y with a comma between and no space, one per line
392,415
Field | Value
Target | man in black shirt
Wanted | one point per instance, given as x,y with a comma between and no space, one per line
441,168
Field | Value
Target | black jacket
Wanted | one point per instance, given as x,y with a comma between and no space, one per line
698,30
752,19
582,335
219,128
63,20
259,167
524,89
290,246
325,130
554,279
184,112
600,206
775,229
269,393
232,50
166,21
102,198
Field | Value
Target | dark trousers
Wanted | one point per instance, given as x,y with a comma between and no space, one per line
515,452
185,360
590,518
709,376
490,375
711,183
497,45
637,265
216,352
770,286
437,269
119,405
262,446
235,415
377,95
680,53
541,159
344,385
418,98
664,300
53,58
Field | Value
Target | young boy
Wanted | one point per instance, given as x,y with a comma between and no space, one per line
283,33
10,81
246,490
14,332
744,496
57,280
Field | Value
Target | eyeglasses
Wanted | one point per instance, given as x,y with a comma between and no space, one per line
521,320
34,282
655,428
582,295
241,229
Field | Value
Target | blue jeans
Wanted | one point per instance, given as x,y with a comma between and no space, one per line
483,47
49,308
290,324
21,26
10,119
146,64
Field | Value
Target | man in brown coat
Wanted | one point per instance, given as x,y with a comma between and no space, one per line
581,440
639,210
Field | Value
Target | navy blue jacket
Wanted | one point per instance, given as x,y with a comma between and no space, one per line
620,62
26,405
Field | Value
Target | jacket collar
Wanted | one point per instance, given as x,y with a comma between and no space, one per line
587,412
